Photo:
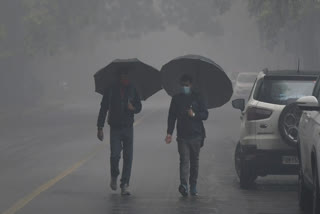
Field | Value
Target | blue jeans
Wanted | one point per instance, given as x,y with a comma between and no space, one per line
121,139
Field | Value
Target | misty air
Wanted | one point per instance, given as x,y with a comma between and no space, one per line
160,106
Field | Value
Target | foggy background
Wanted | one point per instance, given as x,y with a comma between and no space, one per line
49,52
50,49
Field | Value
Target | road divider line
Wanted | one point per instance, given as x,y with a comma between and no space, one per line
28,198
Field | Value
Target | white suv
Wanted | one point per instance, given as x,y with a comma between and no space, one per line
269,125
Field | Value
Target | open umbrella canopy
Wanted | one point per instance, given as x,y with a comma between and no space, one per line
208,78
146,79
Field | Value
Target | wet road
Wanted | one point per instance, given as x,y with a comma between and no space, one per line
53,163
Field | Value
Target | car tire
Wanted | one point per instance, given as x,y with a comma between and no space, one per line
315,196
304,194
244,169
288,124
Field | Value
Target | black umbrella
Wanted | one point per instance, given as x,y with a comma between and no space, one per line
208,78
146,79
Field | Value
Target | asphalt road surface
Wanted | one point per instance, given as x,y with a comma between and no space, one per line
51,162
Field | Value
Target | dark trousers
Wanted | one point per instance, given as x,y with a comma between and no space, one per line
189,150
121,139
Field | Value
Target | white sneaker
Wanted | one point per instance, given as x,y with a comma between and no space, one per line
125,190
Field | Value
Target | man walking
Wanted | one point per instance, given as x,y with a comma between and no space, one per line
189,110
122,102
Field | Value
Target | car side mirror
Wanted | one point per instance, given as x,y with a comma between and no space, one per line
308,103
238,104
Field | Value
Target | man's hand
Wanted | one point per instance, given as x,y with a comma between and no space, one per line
130,106
191,113
168,139
100,134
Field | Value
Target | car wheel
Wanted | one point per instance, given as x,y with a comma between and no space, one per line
237,159
303,193
244,171
316,198
288,124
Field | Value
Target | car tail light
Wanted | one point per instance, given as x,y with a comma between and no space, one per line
254,113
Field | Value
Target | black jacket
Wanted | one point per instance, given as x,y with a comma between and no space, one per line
119,115
187,126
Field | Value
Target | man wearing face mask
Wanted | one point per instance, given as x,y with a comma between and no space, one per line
122,102
189,110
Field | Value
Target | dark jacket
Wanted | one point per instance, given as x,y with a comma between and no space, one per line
119,115
187,127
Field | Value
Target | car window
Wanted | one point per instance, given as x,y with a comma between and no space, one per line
282,91
316,90
318,95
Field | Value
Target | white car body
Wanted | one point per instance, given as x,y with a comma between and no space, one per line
261,145
264,134
309,150
309,133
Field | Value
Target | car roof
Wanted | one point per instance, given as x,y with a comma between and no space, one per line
291,73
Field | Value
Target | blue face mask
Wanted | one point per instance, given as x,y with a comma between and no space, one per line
186,89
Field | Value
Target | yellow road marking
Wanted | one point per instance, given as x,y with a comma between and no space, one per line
27,199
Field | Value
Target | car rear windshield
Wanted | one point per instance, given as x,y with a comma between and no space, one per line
282,91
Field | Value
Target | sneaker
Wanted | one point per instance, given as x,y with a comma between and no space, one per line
113,183
183,190
125,190
193,190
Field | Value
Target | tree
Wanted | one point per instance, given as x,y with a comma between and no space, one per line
292,22
194,17
49,26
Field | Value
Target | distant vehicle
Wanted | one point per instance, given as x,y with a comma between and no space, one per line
233,77
268,141
309,150
243,84
63,85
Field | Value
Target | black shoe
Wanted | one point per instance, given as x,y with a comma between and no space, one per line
113,183
183,190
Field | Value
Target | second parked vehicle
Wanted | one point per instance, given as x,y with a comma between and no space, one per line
309,151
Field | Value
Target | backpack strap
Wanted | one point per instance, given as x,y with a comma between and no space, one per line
196,97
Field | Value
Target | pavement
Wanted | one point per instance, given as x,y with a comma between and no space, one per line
51,162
